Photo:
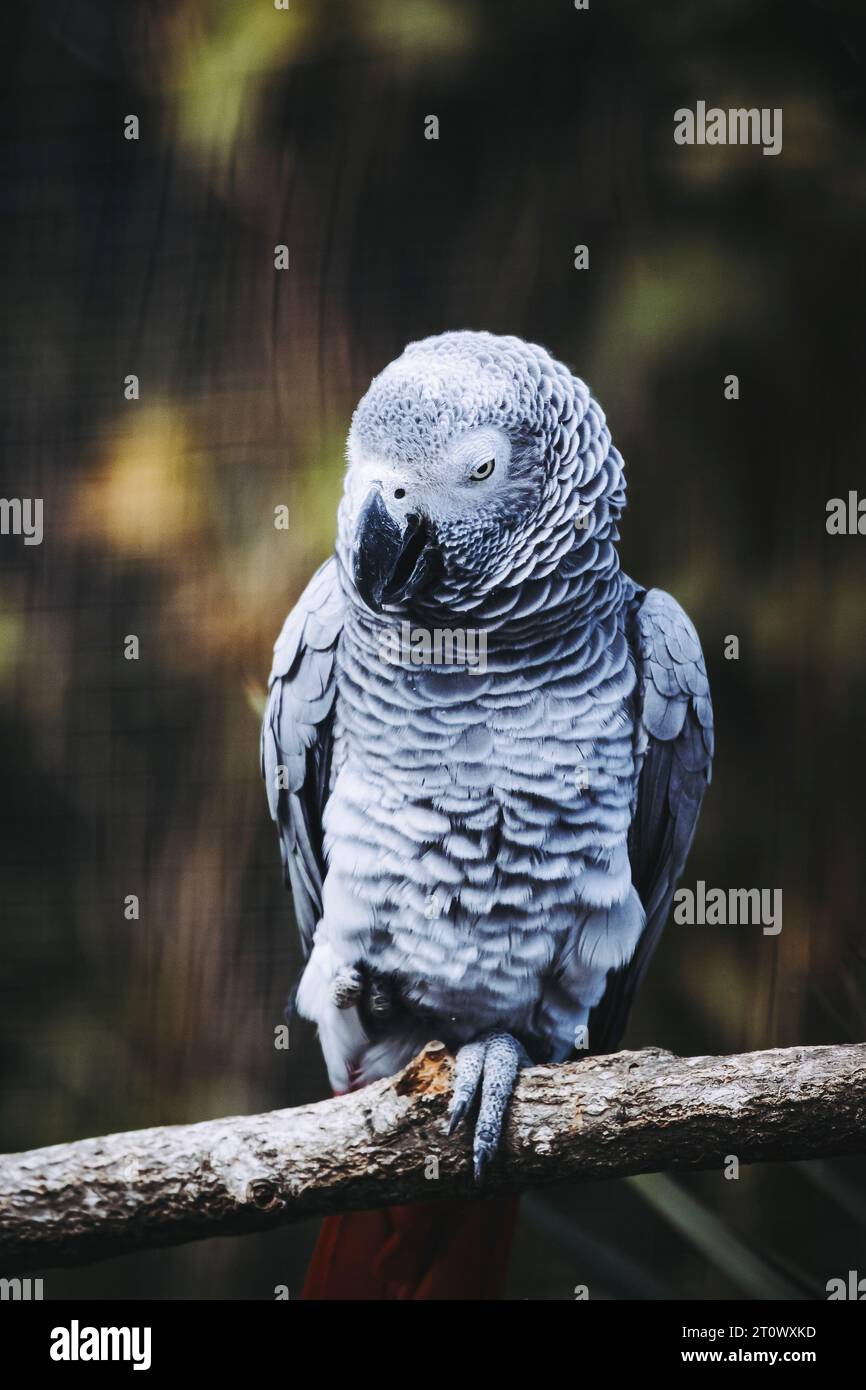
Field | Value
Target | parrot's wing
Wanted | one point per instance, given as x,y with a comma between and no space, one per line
675,721
297,738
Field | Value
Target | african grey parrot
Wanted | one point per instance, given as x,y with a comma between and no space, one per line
484,853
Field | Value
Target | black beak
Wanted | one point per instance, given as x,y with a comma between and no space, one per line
389,565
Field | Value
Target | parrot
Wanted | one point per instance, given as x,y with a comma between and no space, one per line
480,851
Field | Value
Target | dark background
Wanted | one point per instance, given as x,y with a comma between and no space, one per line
155,257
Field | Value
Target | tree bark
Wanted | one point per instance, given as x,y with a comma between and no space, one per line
600,1117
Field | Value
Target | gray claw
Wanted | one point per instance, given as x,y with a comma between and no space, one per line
481,1160
494,1062
455,1115
467,1074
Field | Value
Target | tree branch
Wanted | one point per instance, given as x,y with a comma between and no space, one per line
601,1117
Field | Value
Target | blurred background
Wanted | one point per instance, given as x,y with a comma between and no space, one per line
155,257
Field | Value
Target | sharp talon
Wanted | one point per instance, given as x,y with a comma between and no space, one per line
483,1155
481,1161
467,1074
456,1115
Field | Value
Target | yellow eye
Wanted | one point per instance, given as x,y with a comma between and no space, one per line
482,471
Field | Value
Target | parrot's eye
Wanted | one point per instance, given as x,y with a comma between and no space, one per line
482,471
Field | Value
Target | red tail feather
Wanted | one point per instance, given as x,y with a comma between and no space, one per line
444,1250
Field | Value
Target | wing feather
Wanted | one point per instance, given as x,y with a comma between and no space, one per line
297,738
675,723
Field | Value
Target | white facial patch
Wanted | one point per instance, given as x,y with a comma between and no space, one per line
474,449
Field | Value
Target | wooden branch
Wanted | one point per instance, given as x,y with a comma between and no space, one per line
601,1117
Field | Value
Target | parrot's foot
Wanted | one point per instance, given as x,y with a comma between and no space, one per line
358,985
347,987
494,1061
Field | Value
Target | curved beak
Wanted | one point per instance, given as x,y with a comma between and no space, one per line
389,565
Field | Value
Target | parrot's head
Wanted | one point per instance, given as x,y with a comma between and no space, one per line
475,462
